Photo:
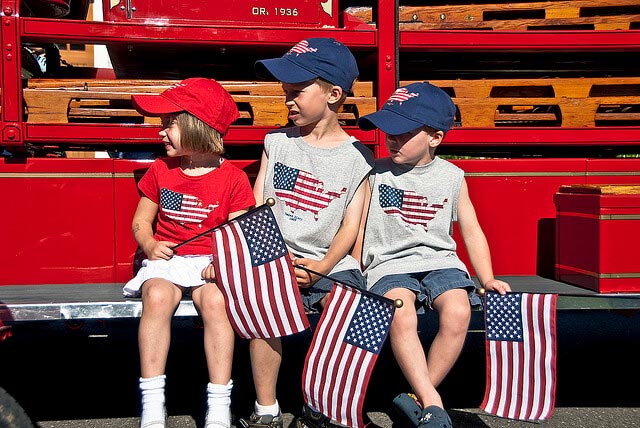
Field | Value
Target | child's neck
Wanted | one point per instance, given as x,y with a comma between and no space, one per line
325,135
200,163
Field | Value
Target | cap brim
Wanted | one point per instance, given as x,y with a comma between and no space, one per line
388,122
154,105
283,70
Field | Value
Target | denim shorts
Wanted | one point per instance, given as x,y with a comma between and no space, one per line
311,296
429,285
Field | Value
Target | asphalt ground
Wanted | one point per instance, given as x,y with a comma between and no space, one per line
574,417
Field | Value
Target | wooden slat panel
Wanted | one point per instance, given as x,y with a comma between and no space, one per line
516,16
259,103
566,102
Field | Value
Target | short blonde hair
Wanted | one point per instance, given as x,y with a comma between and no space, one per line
196,135
328,86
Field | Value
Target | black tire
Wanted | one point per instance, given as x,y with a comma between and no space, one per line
12,415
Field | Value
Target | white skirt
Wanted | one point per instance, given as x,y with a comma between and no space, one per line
185,271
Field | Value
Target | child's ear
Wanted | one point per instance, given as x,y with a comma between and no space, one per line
335,94
436,138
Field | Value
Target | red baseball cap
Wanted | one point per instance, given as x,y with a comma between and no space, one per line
204,98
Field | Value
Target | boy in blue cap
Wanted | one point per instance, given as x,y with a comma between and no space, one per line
316,172
406,247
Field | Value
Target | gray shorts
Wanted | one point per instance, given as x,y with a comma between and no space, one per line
428,285
311,296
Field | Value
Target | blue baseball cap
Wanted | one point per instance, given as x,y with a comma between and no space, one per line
411,107
316,57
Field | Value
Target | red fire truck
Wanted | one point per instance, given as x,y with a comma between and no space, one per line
547,129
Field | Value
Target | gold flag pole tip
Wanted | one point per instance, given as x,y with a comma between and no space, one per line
481,291
271,202
398,303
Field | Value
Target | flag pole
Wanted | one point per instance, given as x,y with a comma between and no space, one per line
270,202
397,302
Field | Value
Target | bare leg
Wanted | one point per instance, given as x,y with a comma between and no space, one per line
266,356
160,299
408,350
219,338
455,313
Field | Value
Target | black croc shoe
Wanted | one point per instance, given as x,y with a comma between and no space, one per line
430,417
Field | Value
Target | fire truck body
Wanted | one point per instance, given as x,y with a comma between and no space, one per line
67,216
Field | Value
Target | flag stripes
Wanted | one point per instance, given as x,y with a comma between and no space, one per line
521,360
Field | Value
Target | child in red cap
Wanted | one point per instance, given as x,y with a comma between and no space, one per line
191,190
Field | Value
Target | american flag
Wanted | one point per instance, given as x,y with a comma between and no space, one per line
521,355
343,351
256,276
301,191
183,208
302,47
400,95
410,206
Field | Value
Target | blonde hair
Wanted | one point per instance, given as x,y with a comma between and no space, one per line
328,86
196,135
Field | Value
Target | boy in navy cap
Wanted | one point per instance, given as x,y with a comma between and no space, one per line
406,246
316,172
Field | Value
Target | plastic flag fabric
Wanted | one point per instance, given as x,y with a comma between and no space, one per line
345,346
256,276
520,355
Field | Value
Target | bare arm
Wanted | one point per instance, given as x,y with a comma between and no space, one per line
142,228
341,244
258,187
476,243
356,252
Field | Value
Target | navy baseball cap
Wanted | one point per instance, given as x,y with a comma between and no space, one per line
411,107
316,57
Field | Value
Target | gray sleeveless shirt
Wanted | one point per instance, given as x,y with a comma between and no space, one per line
312,187
410,223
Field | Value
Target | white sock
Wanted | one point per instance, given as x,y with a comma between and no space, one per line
152,397
219,405
273,409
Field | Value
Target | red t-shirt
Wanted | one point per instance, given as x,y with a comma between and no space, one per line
188,206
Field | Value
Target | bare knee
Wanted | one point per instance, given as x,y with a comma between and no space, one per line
209,300
405,321
455,318
160,296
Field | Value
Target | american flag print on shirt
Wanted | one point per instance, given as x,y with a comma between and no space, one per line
300,190
256,276
345,346
411,207
183,208
520,355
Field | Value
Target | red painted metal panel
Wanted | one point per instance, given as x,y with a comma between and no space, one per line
97,134
127,173
241,12
606,136
59,225
513,199
11,100
51,30
613,171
